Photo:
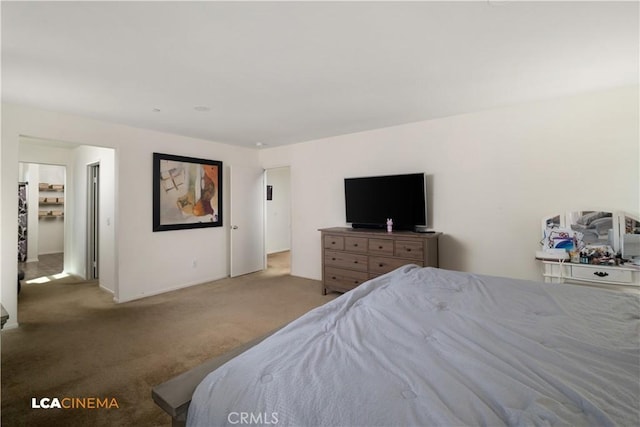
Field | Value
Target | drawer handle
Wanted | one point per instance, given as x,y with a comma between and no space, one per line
334,277
333,259
408,249
355,245
333,243
356,282
379,247
601,273
355,262
381,265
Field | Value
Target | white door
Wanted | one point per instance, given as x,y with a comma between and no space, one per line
246,219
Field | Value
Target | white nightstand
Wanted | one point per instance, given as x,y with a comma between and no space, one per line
561,271
601,234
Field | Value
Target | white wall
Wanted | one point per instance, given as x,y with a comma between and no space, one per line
146,263
492,176
278,211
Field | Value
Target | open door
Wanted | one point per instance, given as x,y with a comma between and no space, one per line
247,190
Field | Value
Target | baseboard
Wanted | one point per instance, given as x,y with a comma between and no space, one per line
306,278
106,289
164,291
9,325
277,251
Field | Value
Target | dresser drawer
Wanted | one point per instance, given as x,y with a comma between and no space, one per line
343,279
601,274
380,265
356,244
334,242
351,257
409,249
345,260
381,246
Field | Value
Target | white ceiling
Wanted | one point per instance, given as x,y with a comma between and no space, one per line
287,72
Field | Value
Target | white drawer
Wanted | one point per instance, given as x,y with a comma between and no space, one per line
601,274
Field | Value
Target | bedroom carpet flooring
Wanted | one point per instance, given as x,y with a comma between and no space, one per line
73,341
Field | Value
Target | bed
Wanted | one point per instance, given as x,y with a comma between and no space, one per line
426,346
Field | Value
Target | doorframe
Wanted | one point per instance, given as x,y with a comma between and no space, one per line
22,148
92,266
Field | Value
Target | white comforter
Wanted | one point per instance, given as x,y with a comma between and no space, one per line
430,347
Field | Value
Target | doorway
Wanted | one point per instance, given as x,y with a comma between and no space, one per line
278,219
44,205
78,161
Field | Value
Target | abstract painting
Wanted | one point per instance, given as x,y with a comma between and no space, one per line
187,192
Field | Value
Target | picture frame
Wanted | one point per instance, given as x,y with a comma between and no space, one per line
562,238
187,192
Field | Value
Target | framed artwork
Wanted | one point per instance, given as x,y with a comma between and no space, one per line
187,192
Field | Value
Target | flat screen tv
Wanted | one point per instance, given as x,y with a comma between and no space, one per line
369,201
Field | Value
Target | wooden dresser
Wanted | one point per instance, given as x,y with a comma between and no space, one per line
353,256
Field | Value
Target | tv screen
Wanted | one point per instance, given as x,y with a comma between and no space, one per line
369,201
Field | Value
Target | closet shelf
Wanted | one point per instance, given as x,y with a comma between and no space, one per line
51,200
43,186
50,214
48,197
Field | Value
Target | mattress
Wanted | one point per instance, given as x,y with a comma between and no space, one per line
426,346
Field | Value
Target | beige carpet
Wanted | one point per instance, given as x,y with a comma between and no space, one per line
73,341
